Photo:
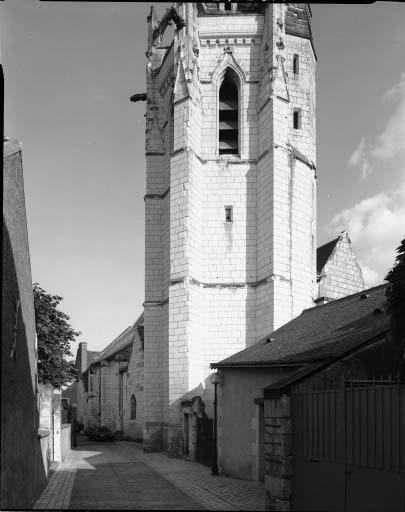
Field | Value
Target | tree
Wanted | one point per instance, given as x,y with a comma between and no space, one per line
396,296
55,335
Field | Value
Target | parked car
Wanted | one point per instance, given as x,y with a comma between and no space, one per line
100,434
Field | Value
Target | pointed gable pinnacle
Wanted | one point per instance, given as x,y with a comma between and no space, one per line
180,86
152,18
153,23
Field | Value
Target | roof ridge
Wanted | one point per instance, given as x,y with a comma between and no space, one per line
115,340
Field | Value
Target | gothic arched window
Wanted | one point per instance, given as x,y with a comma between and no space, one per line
228,132
133,407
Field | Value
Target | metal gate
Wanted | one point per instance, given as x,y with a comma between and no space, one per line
349,446
205,442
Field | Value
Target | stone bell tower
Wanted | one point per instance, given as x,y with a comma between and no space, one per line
231,195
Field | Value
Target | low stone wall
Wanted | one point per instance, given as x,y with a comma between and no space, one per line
278,453
65,440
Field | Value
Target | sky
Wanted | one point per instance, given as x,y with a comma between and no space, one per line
70,69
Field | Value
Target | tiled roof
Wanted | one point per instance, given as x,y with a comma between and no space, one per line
298,20
323,253
120,343
92,356
319,333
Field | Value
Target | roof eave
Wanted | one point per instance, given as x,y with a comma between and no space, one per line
272,391
253,364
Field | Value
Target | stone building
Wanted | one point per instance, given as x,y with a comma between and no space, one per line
23,470
350,334
75,394
231,193
110,390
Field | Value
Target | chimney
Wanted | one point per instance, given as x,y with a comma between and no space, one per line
81,358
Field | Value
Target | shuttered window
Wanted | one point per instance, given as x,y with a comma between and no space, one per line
229,115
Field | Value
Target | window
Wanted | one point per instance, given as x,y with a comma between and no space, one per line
297,119
104,390
296,64
133,407
228,115
228,214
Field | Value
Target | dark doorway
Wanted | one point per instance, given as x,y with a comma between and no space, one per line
205,440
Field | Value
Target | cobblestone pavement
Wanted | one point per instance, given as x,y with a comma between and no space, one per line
213,492
120,476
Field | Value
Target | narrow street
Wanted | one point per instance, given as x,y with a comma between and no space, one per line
118,475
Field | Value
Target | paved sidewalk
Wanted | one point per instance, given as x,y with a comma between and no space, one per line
120,476
213,492
59,489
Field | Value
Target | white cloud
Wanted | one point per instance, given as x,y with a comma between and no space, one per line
370,276
359,159
390,143
376,226
398,90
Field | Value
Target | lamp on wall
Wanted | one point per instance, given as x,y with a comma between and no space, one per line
215,379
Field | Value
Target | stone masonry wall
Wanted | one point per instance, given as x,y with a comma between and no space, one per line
341,274
214,287
278,462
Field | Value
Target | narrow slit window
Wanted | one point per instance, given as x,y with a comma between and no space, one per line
296,64
133,408
297,119
229,115
228,214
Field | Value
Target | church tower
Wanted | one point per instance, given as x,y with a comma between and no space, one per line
231,196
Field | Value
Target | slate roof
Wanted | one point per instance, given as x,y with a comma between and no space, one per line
298,20
323,253
92,356
320,333
122,344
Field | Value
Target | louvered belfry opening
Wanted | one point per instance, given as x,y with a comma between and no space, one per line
228,115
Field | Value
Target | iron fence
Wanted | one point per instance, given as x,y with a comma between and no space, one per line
356,421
